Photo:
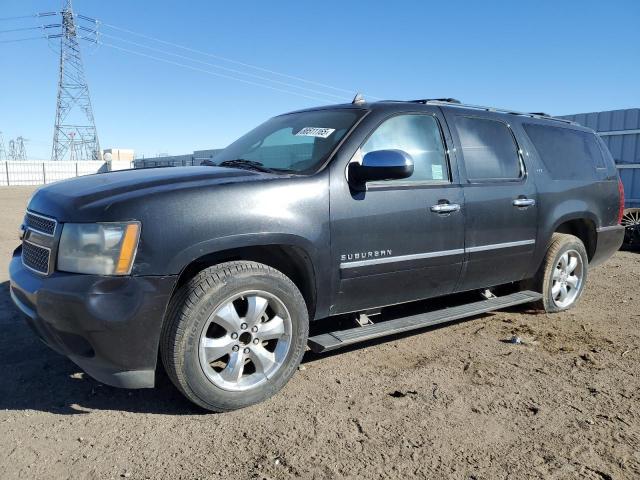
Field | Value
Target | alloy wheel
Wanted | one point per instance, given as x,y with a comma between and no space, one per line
631,223
245,340
567,279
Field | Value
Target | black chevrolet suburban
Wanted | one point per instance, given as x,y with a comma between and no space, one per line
216,272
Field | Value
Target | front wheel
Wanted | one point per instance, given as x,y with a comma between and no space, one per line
563,274
234,335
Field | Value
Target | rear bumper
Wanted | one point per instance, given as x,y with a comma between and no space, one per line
109,326
609,242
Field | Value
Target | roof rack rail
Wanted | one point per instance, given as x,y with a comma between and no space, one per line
456,103
427,100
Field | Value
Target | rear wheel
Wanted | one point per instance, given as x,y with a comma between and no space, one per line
563,274
234,335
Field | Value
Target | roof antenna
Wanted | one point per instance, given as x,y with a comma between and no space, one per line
358,99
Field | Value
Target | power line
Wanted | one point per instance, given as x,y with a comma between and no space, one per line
232,70
16,18
40,37
24,28
39,27
193,50
218,57
210,72
35,15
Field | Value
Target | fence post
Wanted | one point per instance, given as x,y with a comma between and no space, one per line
44,174
6,167
76,169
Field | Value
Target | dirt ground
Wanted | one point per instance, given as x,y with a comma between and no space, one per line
453,402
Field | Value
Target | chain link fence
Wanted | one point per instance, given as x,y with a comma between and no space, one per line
41,173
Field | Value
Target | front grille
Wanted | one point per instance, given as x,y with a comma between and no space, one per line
39,223
35,257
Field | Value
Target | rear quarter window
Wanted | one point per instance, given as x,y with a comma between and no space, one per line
567,154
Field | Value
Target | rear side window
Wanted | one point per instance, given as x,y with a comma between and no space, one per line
567,154
488,148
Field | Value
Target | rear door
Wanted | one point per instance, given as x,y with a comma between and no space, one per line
500,197
400,240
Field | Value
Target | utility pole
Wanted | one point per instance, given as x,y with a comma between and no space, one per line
75,127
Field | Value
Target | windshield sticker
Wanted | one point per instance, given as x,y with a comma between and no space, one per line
315,132
436,172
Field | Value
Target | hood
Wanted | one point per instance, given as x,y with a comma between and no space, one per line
67,198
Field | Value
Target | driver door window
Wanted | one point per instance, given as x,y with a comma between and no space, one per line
418,135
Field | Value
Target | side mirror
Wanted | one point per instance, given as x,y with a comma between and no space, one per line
381,165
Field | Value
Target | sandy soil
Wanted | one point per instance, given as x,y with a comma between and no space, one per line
453,402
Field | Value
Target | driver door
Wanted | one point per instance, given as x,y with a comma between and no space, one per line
393,243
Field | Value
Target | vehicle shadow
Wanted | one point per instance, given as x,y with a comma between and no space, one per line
33,377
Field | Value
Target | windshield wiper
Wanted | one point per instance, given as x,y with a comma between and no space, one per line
246,164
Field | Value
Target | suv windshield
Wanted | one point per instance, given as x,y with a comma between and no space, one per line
297,142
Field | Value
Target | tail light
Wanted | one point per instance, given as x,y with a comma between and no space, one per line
621,197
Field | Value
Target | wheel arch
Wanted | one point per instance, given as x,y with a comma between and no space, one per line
290,258
582,226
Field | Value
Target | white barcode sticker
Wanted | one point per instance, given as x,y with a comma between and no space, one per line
315,132
436,172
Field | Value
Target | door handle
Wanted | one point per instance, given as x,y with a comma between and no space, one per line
524,202
445,208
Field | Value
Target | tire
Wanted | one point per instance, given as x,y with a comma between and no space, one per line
552,276
257,349
631,223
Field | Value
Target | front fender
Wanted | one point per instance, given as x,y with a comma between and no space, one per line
185,257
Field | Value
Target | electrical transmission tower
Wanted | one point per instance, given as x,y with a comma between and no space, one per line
3,153
17,150
75,129
21,149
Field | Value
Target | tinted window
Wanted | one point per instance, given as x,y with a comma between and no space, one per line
567,154
420,137
488,149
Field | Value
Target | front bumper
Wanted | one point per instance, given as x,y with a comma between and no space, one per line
109,326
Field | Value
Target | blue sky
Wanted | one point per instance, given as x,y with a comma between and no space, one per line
560,57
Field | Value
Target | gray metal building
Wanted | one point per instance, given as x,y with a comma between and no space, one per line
195,158
620,129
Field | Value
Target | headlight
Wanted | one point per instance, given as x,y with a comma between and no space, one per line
98,248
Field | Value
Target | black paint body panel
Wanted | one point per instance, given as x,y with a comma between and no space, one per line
191,212
109,326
